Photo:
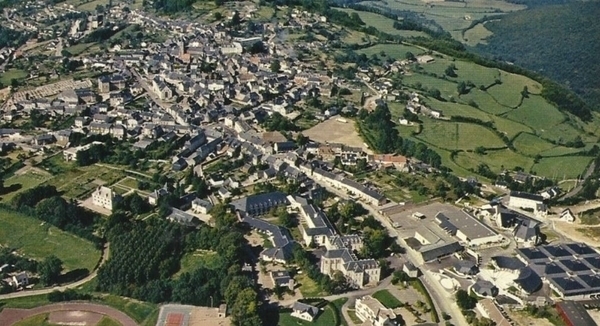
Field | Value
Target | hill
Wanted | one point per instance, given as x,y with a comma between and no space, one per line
559,41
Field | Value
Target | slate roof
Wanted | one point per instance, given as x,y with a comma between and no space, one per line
257,202
511,263
528,280
280,237
303,307
526,195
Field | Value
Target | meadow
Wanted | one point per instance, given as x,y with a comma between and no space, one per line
27,234
567,167
382,23
459,136
24,181
477,34
536,113
397,51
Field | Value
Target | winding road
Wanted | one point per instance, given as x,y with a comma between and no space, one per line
27,293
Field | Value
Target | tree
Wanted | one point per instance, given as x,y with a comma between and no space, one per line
462,88
285,218
450,71
218,15
244,311
464,301
275,66
410,56
50,270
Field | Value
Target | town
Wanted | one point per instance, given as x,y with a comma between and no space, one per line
219,170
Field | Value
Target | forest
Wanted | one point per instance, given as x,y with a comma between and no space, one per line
558,41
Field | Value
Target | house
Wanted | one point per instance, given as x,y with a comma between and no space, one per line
104,197
154,196
485,288
181,217
304,311
567,216
19,281
201,206
490,310
411,270
282,279
369,309
574,314
527,233
466,267
550,193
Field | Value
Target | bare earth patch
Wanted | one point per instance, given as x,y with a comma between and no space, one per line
334,131
76,317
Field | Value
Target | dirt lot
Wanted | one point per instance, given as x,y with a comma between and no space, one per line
333,131
74,318
9,316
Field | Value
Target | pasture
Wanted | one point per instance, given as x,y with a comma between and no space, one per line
458,110
396,51
476,35
509,127
496,160
194,260
7,77
459,136
485,101
34,239
536,113
24,181
418,81
568,167
531,145
465,71
382,23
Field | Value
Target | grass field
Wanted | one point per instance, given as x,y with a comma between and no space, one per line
81,181
446,87
27,235
382,23
456,109
105,321
38,320
562,167
465,71
27,180
397,51
79,48
484,101
7,77
529,144
477,35
308,287
536,113
496,160
457,136
509,127
387,299
192,261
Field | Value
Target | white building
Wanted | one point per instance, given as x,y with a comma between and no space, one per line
527,201
104,197
369,309
304,311
201,206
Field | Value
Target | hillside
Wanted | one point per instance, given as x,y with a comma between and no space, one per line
559,41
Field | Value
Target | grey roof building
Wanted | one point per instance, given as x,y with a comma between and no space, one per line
485,288
260,204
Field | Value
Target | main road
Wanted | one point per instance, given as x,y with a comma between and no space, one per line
73,285
442,300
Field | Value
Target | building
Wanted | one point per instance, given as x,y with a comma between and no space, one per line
468,229
183,218
466,267
201,206
358,272
70,154
571,269
19,281
485,288
154,196
574,314
490,310
567,216
411,270
314,227
527,233
104,197
369,309
282,279
304,311
527,201
260,204
281,239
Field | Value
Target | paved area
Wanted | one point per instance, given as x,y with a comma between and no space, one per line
10,316
184,315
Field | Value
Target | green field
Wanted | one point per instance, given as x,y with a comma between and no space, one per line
79,182
416,80
484,101
194,260
459,136
27,180
477,35
456,109
509,127
496,160
532,145
562,167
536,113
382,23
327,316
397,51
387,299
7,77
33,239
465,71
308,287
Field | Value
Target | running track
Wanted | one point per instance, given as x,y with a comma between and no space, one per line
9,316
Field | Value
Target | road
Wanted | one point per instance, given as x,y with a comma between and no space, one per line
163,105
90,277
442,303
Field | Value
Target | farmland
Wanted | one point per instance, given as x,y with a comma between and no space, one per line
25,234
459,136
397,51
382,23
